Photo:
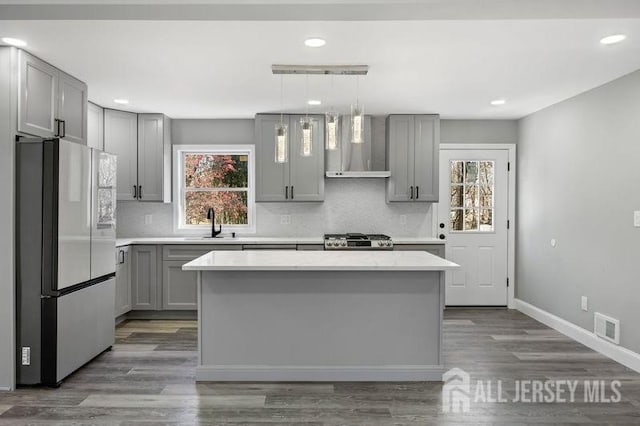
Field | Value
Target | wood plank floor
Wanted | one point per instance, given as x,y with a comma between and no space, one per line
148,379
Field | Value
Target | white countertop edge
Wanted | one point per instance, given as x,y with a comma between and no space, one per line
121,242
320,268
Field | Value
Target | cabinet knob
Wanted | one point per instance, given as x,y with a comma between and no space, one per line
442,226
441,236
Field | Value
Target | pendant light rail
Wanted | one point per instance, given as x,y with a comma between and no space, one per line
320,69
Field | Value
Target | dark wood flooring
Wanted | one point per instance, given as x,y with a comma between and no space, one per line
148,379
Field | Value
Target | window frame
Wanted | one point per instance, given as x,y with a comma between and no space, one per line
179,225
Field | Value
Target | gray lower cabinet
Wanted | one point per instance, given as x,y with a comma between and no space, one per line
123,281
179,288
144,278
413,143
299,179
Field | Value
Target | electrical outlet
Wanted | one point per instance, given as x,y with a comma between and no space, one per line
285,219
403,219
553,242
584,303
26,355
148,219
636,218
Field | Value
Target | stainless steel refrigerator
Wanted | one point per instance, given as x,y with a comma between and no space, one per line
65,245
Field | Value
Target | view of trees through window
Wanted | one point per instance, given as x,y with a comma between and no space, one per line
472,185
216,180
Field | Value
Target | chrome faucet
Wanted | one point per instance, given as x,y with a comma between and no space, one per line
211,214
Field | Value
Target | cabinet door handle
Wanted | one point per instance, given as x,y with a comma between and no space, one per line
121,256
417,192
57,123
292,192
286,192
411,196
135,191
139,192
64,128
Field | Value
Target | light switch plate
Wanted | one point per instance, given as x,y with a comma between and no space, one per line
148,219
403,219
285,219
584,303
636,218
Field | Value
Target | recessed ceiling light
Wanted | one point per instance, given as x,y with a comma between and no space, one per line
613,39
315,42
314,102
14,41
121,101
498,102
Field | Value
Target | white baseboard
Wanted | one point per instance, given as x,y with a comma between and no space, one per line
259,373
617,353
4,388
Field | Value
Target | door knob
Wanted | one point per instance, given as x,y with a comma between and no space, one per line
441,236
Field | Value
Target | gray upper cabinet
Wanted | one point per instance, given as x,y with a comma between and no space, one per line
142,143
151,155
413,142
120,138
37,97
72,108
51,103
301,178
95,126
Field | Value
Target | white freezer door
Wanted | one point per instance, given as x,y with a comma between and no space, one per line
103,233
74,214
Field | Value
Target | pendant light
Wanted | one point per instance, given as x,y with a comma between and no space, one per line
332,127
306,126
357,119
282,134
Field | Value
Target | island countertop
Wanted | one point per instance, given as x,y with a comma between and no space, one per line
278,260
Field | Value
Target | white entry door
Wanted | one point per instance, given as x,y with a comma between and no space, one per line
472,218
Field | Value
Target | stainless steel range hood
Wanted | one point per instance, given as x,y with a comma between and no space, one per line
365,160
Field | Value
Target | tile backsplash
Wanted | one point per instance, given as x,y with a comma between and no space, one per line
351,205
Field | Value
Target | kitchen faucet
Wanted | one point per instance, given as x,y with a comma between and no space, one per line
211,214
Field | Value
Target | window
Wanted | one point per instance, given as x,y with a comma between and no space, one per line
472,186
216,176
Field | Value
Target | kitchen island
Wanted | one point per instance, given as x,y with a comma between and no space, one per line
320,315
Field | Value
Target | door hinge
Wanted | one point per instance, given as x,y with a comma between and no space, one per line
509,166
507,281
508,224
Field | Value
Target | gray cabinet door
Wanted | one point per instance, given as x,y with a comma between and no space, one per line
37,96
179,288
150,157
400,153
95,126
123,281
272,179
144,278
121,139
72,108
306,174
427,146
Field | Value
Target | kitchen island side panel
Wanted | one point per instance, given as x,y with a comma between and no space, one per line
320,325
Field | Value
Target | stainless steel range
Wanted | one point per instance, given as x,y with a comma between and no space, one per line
357,242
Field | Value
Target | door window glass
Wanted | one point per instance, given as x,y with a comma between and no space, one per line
472,188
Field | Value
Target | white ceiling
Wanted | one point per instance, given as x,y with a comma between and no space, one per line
221,69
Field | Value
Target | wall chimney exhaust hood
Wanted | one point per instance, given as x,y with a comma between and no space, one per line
359,160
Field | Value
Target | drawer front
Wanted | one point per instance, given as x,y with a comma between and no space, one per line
311,247
190,252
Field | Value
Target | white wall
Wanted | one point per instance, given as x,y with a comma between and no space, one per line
579,182
7,161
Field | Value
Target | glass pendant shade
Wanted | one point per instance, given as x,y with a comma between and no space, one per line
357,124
282,143
332,131
306,142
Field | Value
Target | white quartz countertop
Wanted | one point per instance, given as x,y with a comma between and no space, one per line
273,260
255,240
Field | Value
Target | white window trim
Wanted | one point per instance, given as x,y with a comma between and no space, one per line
178,196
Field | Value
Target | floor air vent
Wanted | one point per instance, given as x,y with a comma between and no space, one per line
607,328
